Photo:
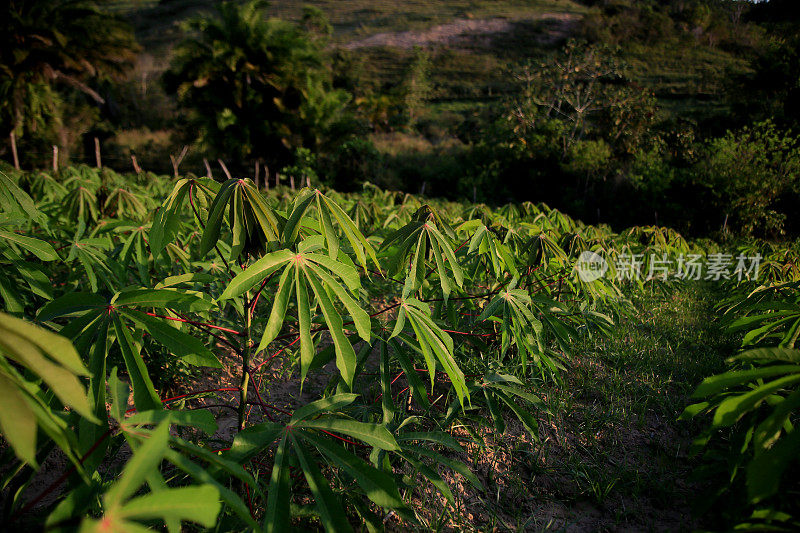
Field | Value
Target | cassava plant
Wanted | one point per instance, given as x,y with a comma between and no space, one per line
395,320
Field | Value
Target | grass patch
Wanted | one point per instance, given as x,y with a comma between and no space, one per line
612,453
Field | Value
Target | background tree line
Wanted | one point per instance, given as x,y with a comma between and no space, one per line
682,112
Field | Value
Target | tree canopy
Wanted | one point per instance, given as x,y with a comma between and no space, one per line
256,87
69,42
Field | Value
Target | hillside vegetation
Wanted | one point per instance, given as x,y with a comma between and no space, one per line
451,99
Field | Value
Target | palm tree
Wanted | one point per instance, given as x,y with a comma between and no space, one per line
48,42
256,88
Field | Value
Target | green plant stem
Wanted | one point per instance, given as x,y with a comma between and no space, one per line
248,315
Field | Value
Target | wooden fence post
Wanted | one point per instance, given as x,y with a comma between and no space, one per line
97,159
13,137
256,174
224,168
176,162
208,169
291,181
55,158
266,177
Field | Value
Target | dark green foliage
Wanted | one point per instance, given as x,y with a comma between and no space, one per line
53,54
751,444
256,87
129,299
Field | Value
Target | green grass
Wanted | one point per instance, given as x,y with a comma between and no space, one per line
612,453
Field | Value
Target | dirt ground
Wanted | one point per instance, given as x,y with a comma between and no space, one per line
463,32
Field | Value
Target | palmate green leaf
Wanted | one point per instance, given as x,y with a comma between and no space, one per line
278,312
55,347
323,405
277,518
434,344
255,273
36,278
304,323
196,504
197,418
191,278
315,271
69,304
92,338
765,471
373,434
345,355
253,440
330,509
291,230
734,407
416,239
215,214
484,243
12,298
189,348
254,225
146,458
62,380
17,204
331,210
134,255
378,486
768,431
693,410
203,475
328,212
776,354
167,222
716,384
80,205
119,396
50,356
49,420
41,249
144,394
17,420
162,298
520,327
192,504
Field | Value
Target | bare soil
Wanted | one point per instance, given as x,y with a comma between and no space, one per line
464,32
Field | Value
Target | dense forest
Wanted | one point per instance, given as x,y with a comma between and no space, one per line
458,265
